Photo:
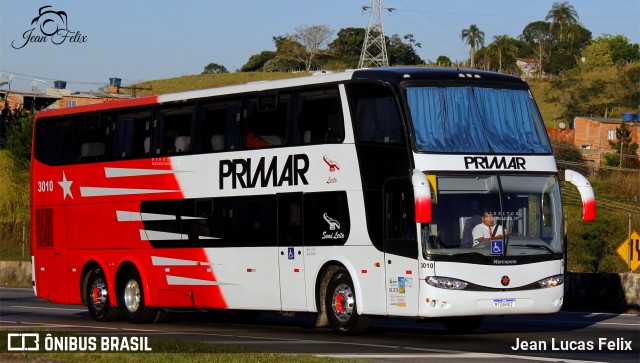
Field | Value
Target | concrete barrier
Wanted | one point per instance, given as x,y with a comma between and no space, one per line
602,292
15,273
597,292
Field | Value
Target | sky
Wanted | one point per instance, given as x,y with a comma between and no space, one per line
140,40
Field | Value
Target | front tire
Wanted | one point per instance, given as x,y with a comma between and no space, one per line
341,305
131,300
98,297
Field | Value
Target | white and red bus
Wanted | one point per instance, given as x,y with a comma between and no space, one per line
350,195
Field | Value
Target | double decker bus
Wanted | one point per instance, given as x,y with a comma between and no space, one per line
349,195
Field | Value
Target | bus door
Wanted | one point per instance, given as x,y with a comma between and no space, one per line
290,252
400,248
51,257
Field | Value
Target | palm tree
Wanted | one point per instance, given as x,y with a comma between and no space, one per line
562,14
475,38
504,45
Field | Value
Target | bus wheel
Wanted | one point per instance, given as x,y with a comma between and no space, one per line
131,300
97,297
462,324
341,305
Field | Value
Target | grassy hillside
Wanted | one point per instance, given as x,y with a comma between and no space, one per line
550,112
202,81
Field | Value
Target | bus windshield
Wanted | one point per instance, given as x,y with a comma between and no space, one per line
476,120
471,211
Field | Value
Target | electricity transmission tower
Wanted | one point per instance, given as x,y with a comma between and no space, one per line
374,49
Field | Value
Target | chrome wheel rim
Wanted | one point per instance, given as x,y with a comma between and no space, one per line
132,295
98,294
343,302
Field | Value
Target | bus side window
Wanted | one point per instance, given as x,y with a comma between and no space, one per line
218,126
54,140
267,120
376,114
90,139
131,134
318,117
172,131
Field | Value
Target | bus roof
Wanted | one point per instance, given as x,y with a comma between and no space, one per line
393,75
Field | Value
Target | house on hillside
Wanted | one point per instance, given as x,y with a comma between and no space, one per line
59,97
529,67
592,135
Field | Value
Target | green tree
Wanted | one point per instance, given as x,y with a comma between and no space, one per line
281,64
504,45
401,53
257,61
474,37
625,148
346,48
213,68
621,49
596,55
562,15
19,141
537,36
444,61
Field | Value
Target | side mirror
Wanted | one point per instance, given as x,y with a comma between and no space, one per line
421,196
586,193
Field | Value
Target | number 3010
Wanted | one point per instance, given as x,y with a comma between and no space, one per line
45,186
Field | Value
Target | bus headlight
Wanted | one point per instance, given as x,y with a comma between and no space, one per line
446,283
551,281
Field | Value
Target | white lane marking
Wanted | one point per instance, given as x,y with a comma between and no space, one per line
453,355
586,322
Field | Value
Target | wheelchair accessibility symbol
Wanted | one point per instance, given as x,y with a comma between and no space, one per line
290,253
497,247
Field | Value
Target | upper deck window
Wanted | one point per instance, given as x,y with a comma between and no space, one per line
476,120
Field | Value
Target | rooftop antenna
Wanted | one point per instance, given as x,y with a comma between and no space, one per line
374,49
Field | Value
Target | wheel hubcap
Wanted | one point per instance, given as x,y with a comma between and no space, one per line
98,294
132,296
343,302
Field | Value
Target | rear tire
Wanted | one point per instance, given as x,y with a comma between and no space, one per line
98,297
341,305
462,324
131,300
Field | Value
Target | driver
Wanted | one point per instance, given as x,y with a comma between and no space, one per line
486,231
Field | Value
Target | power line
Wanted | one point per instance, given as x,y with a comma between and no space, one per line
31,77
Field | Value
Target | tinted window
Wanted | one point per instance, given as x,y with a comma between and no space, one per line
218,126
172,132
91,137
376,114
318,117
131,134
54,140
267,120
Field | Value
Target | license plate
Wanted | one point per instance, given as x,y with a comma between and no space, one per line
504,303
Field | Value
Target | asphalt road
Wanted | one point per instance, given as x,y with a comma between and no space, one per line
565,336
